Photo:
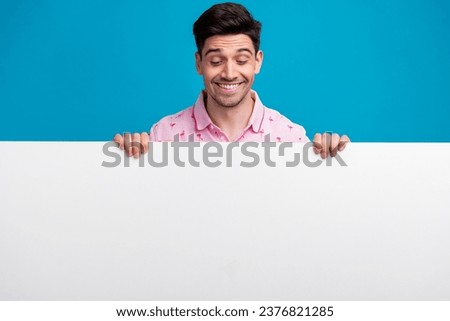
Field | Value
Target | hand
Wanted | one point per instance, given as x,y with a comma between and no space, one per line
134,144
329,144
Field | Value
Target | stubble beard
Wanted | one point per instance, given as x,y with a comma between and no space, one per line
229,102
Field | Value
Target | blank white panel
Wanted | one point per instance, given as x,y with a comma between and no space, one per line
377,229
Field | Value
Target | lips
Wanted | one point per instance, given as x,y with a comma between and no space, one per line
229,86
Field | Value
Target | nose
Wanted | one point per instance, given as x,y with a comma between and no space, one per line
229,71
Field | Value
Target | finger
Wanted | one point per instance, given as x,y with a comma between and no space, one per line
136,146
326,142
317,143
119,140
343,142
127,144
334,144
144,141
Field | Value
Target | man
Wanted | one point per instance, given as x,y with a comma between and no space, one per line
228,110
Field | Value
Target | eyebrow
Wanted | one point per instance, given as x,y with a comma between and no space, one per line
219,50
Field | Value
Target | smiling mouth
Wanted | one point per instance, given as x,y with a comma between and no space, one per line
229,87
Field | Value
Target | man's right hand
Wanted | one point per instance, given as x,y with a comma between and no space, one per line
133,144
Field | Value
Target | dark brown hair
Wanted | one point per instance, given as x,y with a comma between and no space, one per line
226,19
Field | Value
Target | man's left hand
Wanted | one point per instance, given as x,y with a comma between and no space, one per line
328,144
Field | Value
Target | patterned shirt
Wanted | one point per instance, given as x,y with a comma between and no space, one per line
194,124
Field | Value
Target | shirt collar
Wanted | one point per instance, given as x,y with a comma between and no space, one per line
202,119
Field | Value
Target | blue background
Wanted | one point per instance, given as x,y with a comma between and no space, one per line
84,70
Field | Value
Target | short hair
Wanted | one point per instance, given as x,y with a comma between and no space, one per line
226,19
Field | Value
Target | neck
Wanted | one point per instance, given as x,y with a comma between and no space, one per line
231,120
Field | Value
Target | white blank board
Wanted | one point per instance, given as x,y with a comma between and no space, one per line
377,229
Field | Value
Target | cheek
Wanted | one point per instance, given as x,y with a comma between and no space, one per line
249,70
249,73
207,77
205,74
210,75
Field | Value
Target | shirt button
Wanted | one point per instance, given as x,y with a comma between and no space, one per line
211,127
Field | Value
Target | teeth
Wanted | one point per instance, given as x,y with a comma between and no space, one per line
228,87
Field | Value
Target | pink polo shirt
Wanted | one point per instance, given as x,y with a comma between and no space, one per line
195,122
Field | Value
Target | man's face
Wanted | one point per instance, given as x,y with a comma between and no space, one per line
228,66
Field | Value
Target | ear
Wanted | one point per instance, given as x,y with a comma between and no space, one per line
198,63
259,61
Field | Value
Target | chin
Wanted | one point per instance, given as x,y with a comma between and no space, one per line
229,103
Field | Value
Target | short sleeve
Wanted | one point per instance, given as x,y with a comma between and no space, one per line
154,133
